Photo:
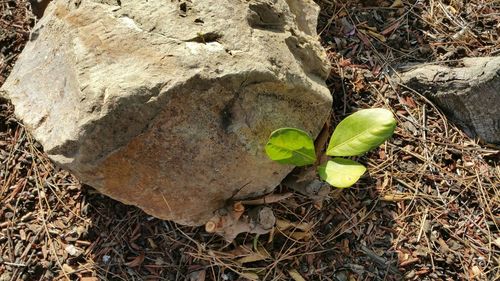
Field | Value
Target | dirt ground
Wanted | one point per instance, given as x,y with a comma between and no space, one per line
428,208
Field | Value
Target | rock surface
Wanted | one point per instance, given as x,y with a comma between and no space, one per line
167,105
469,93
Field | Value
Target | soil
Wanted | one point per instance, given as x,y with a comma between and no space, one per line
428,208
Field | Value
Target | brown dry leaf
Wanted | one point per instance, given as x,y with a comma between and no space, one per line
344,246
408,101
250,276
396,197
241,250
388,30
362,36
377,35
345,62
137,261
444,247
284,225
251,258
67,269
299,235
366,27
89,279
152,244
296,275
199,275
475,272
310,259
359,82
271,198
397,4
260,255
381,154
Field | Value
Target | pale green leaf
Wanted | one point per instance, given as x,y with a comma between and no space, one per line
340,172
291,146
361,132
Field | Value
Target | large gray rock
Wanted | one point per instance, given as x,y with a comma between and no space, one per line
167,104
468,93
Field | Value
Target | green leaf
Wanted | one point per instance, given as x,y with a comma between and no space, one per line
340,172
291,146
361,132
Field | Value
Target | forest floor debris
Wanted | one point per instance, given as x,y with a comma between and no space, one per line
428,209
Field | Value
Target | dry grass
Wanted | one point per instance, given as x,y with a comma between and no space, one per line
428,209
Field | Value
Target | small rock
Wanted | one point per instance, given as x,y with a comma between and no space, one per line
106,259
198,275
73,251
410,274
341,276
468,94
67,268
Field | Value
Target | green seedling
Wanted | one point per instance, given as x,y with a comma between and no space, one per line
355,135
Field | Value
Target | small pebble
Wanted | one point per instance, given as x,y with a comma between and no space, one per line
72,250
106,259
